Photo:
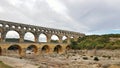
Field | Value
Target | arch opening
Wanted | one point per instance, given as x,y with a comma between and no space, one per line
13,26
64,39
54,39
29,37
19,27
42,38
7,26
14,50
25,28
12,36
45,49
58,49
72,38
1,25
68,47
32,49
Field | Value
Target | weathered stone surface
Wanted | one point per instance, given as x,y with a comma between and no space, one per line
22,29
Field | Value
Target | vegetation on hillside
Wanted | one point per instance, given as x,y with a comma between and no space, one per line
97,41
16,40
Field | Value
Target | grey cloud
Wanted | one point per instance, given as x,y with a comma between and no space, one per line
79,15
96,14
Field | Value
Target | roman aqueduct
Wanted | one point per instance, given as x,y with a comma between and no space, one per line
36,46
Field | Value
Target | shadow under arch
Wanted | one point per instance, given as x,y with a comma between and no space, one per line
58,49
32,49
12,36
45,49
14,49
68,47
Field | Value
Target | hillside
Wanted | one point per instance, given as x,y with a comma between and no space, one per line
16,40
108,41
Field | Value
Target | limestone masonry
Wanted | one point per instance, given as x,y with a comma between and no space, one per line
22,29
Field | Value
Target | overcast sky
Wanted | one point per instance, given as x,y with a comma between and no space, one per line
86,16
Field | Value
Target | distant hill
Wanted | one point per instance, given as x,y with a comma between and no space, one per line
16,40
108,41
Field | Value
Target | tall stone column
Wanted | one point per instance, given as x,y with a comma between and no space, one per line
38,52
21,38
60,39
68,40
36,37
76,38
49,38
51,50
3,34
23,52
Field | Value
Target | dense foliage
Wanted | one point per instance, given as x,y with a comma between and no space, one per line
110,41
16,40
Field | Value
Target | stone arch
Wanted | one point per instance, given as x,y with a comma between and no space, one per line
49,31
42,37
32,49
1,25
0,51
64,39
55,38
29,37
19,27
25,28
68,47
13,26
34,29
12,36
13,49
29,28
42,30
45,49
7,26
72,37
38,29
46,30
58,49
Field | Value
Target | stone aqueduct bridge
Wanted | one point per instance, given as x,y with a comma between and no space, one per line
38,47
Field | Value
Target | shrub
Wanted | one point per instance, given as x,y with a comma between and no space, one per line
84,55
91,56
109,57
104,56
85,58
96,59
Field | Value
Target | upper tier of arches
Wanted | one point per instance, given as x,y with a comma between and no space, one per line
36,31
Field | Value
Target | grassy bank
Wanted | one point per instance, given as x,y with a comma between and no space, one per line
2,65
